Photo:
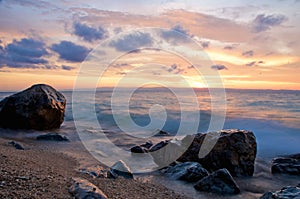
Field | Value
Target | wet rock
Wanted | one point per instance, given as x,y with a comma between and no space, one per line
220,182
39,107
188,171
147,145
289,164
52,137
16,145
120,169
288,192
161,133
234,150
166,152
138,149
83,189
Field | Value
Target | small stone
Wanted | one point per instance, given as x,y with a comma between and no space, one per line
16,145
288,192
52,137
120,169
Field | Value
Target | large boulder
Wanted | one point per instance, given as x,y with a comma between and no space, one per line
83,189
288,192
289,164
39,107
234,150
220,182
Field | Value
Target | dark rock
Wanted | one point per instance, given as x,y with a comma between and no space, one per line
52,137
289,164
161,133
234,150
220,182
138,149
120,169
166,152
39,107
188,171
288,192
16,145
83,189
159,145
147,145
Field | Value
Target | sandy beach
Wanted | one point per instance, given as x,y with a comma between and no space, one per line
44,170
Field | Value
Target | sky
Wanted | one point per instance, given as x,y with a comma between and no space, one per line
242,44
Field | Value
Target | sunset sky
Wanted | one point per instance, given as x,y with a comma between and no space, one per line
251,44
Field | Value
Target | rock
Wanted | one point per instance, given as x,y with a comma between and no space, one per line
288,192
188,171
16,145
143,148
39,107
83,189
52,137
220,182
287,164
235,150
161,133
138,149
166,152
120,169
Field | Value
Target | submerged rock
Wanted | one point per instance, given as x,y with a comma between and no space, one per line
234,150
188,171
16,145
83,189
161,133
289,164
52,137
120,169
39,107
220,182
288,192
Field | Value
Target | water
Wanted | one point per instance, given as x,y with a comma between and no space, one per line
273,116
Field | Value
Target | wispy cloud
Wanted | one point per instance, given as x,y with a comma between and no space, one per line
219,67
265,22
249,53
132,42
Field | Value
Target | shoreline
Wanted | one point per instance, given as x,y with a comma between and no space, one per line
64,160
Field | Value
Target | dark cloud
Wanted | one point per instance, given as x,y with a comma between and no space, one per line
88,33
176,34
64,67
249,53
205,44
253,63
70,51
219,67
174,68
24,53
229,47
132,42
264,22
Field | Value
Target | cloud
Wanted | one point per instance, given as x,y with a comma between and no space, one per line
70,51
64,67
176,34
229,47
132,42
89,34
253,63
174,68
265,22
205,44
249,53
24,53
219,67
